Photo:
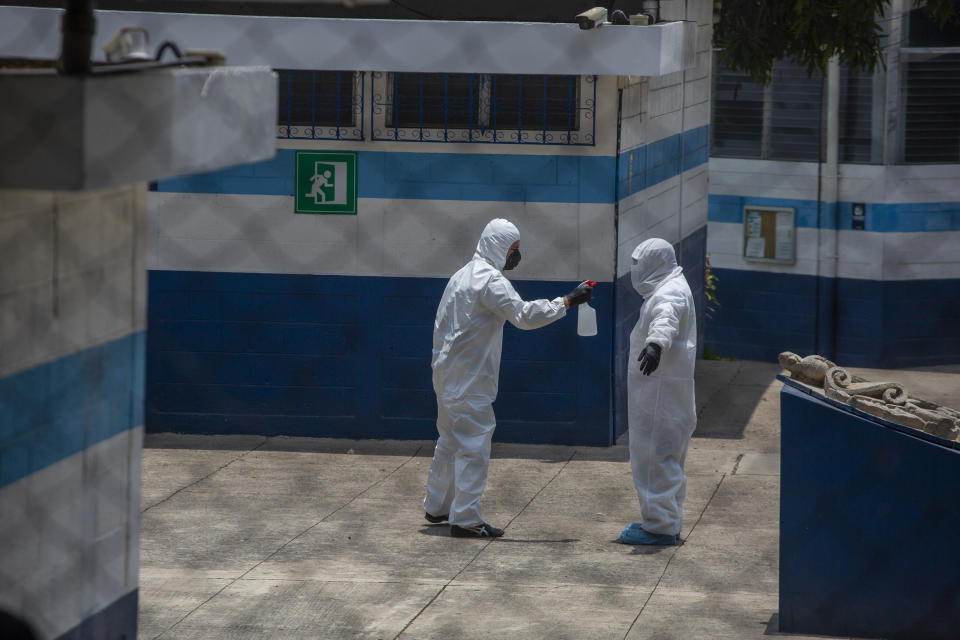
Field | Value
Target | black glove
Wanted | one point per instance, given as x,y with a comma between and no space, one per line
583,293
649,358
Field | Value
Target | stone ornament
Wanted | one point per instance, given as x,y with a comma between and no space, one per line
886,400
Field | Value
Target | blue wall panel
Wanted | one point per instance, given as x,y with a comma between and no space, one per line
868,525
340,356
691,254
876,323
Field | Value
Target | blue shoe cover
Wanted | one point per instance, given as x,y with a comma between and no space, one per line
634,525
632,535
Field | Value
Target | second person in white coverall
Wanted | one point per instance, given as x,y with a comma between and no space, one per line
467,341
660,394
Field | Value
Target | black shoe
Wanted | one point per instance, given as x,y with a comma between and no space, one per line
482,530
435,519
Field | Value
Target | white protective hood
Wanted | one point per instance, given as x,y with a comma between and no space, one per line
654,262
495,242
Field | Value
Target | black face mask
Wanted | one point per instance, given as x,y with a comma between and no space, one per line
512,260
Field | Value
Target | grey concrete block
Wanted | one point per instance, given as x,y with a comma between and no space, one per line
254,609
763,464
521,612
167,597
225,534
375,541
751,501
723,559
681,615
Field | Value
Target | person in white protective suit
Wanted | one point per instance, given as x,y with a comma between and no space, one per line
467,341
660,395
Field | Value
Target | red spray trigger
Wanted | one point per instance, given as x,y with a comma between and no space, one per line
591,283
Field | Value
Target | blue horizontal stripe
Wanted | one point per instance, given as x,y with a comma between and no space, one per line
650,164
54,410
429,176
884,218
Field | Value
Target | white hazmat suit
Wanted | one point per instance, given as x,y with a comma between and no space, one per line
467,341
661,406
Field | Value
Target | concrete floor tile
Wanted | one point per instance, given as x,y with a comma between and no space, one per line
372,540
306,474
164,600
705,461
755,372
719,559
681,615
166,471
763,464
520,612
227,533
552,552
750,502
307,610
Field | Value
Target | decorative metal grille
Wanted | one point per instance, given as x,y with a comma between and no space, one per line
320,105
464,107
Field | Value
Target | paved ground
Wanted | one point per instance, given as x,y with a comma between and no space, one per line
290,538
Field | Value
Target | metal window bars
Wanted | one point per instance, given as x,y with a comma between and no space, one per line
484,108
320,105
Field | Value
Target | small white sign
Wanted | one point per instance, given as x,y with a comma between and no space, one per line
756,247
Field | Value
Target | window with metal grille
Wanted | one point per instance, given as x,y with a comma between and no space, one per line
435,100
324,105
536,102
796,114
448,107
780,121
861,116
737,124
932,127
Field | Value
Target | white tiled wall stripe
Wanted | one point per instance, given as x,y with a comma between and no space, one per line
387,237
70,535
865,255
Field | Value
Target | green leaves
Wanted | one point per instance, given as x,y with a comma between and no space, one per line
753,34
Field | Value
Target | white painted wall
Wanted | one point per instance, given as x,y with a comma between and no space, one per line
71,271
387,237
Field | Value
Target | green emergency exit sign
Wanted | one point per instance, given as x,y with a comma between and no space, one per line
326,182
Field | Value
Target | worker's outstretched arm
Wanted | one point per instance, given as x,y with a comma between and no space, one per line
665,325
502,299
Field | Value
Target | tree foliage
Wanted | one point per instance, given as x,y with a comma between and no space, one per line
753,34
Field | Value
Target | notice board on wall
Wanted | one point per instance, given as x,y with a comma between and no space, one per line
769,234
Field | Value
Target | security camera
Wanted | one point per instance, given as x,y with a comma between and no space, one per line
592,18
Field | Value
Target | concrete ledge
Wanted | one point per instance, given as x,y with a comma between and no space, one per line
392,45
92,132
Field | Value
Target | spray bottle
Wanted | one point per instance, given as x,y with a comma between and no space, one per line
587,317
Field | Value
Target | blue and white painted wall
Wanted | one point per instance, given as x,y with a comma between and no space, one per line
264,321
884,292
662,179
72,299
896,292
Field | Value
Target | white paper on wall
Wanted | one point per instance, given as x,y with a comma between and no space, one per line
756,247
783,250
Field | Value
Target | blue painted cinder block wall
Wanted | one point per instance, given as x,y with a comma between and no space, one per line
322,355
894,319
888,324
